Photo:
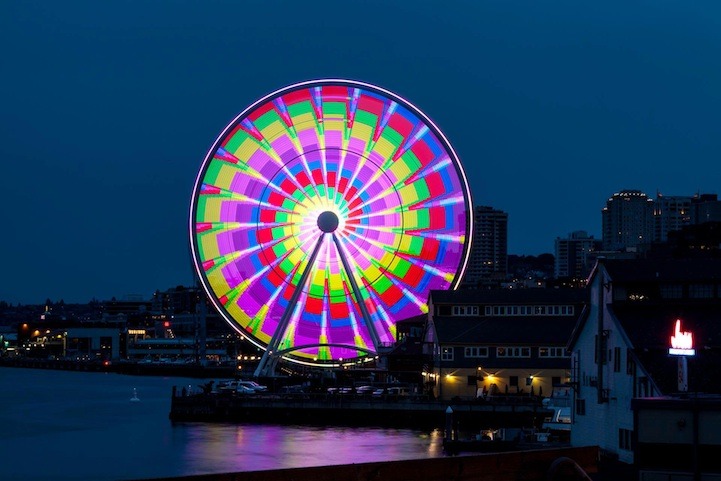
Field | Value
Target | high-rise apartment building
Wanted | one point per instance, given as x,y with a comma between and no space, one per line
574,254
670,213
706,208
673,213
627,220
489,252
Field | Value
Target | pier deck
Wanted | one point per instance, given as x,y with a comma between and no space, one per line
350,410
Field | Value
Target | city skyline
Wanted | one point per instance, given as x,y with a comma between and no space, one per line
109,113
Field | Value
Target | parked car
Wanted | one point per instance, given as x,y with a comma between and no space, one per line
395,391
398,391
365,390
340,390
241,387
253,385
294,389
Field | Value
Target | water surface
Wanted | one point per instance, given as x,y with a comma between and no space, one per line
62,425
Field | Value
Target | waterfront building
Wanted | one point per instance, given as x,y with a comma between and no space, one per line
627,220
488,258
89,341
500,341
573,255
620,347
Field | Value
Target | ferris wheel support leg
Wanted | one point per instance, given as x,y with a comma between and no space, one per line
361,304
266,366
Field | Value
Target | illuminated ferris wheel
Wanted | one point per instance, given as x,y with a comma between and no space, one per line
324,213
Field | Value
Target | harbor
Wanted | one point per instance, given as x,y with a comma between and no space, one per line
94,431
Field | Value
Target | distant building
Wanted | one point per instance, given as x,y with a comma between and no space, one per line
489,252
573,255
627,221
707,208
671,213
620,347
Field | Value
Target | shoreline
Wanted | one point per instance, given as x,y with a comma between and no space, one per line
124,367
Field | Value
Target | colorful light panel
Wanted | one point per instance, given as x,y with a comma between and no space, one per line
358,151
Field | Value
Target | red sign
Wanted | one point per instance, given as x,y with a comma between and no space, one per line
681,342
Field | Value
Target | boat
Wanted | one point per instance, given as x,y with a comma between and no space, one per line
558,424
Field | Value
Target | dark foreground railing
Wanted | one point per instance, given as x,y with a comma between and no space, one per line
540,465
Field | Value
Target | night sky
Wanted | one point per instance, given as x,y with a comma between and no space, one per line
108,109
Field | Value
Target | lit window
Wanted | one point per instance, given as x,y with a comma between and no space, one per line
508,351
552,351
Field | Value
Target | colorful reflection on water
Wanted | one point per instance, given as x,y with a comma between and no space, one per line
69,426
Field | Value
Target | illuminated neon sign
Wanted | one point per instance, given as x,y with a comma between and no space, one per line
681,342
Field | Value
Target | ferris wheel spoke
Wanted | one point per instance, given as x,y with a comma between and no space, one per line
359,298
279,333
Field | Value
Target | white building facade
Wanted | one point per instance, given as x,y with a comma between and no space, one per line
606,376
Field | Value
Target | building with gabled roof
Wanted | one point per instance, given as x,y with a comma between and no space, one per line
620,347
497,341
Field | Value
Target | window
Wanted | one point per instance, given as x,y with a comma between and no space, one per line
616,359
476,351
671,291
465,310
528,310
600,356
555,380
625,437
700,291
513,351
472,380
630,363
551,351
447,354
513,380
581,407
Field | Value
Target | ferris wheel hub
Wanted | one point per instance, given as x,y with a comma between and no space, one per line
328,221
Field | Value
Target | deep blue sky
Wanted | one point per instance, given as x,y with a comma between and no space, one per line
108,108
